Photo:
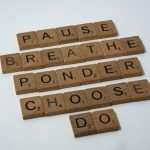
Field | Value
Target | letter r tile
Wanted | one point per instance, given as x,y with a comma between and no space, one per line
82,124
31,60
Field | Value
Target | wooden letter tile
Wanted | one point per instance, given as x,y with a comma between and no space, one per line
132,45
82,124
11,63
118,93
24,83
67,77
92,51
130,67
52,57
88,74
112,48
46,81
140,90
31,60
86,32
109,71
106,120
72,54
54,104
27,40
47,37
67,34
32,107
97,97
76,101
105,29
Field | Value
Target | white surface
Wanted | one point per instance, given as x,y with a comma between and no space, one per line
130,17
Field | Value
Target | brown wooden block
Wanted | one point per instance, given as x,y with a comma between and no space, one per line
86,31
76,101
130,67
24,83
27,40
97,97
140,90
31,60
72,54
92,51
132,45
82,124
54,104
67,34
106,120
67,77
112,48
46,81
88,74
118,93
52,57
47,37
109,70
32,107
105,29
11,63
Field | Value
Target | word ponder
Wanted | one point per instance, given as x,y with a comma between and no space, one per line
75,76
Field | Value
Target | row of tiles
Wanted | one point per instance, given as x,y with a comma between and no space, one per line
92,98
67,34
75,76
96,122
71,54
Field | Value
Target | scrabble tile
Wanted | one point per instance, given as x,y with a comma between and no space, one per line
72,54
46,81
118,93
140,90
105,29
112,48
31,60
11,63
54,104
52,57
82,124
32,107
109,70
88,74
67,34
105,120
92,51
130,67
24,83
86,31
27,40
47,37
132,45
97,97
76,101
67,77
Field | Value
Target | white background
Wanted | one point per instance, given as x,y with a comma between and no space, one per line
47,133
